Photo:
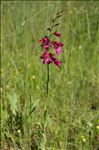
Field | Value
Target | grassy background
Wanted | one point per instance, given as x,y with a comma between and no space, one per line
72,119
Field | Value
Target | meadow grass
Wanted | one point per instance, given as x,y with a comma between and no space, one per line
71,120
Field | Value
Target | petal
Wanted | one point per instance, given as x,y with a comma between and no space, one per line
48,61
58,50
46,46
57,44
47,57
57,34
58,63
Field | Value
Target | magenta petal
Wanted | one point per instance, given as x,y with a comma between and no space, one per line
45,42
57,34
47,57
58,63
48,60
57,44
58,50
46,46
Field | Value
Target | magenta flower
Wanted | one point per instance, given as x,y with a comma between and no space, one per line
57,63
57,34
57,44
58,47
45,42
47,57
58,50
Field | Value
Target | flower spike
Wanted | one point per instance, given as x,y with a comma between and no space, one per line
47,43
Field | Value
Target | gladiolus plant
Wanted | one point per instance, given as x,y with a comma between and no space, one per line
48,43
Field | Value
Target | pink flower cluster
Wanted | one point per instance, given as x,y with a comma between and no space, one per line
47,56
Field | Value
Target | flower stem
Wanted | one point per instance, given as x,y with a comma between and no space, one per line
47,79
51,29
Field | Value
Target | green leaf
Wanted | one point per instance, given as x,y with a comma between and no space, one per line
4,118
13,102
47,119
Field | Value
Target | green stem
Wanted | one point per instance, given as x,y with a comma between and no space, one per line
47,79
48,64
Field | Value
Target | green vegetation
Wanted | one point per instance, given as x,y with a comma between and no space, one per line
71,120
